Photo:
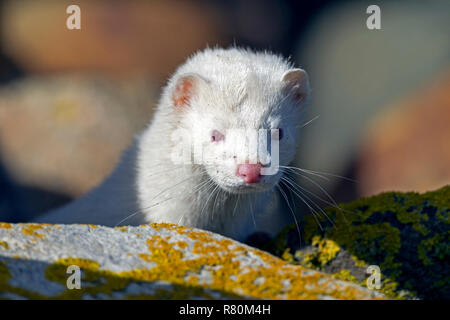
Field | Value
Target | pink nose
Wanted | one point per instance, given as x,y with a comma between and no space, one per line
251,173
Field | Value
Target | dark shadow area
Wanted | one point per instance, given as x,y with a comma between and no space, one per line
256,24
39,201
9,71
20,203
11,203
346,190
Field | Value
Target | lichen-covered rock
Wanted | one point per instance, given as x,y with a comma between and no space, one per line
406,234
152,261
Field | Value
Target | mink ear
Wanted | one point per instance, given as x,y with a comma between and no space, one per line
297,81
185,88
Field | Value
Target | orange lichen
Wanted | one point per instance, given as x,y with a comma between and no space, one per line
30,230
123,228
5,225
223,264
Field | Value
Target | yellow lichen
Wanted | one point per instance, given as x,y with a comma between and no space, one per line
122,228
288,256
5,225
328,249
174,268
346,275
4,244
325,250
30,230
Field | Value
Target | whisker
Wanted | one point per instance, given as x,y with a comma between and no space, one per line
293,214
312,172
214,203
333,204
305,202
206,203
199,188
308,122
299,169
251,210
235,205
298,188
152,205
164,171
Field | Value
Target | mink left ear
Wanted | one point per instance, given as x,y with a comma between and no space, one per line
185,88
297,81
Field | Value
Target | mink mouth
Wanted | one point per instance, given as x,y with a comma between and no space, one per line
246,188
235,185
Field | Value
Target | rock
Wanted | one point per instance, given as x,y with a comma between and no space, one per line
120,38
407,148
151,261
65,133
356,73
406,234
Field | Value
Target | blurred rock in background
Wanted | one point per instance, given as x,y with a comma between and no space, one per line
65,133
357,73
116,37
407,148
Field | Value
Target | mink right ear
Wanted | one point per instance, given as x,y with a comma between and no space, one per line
297,81
186,86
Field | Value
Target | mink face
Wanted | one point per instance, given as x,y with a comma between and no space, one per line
229,110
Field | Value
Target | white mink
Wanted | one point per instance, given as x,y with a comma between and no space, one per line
216,90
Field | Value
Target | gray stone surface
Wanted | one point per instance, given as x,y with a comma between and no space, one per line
151,261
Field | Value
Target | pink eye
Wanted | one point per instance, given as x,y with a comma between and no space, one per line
217,136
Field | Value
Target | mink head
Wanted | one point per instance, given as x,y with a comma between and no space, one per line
239,115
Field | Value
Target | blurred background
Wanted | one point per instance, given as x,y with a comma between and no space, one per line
72,100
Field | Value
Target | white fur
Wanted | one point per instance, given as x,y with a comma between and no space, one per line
236,88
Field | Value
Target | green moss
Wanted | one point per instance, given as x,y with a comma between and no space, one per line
4,274
346,275
436,247
405,234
